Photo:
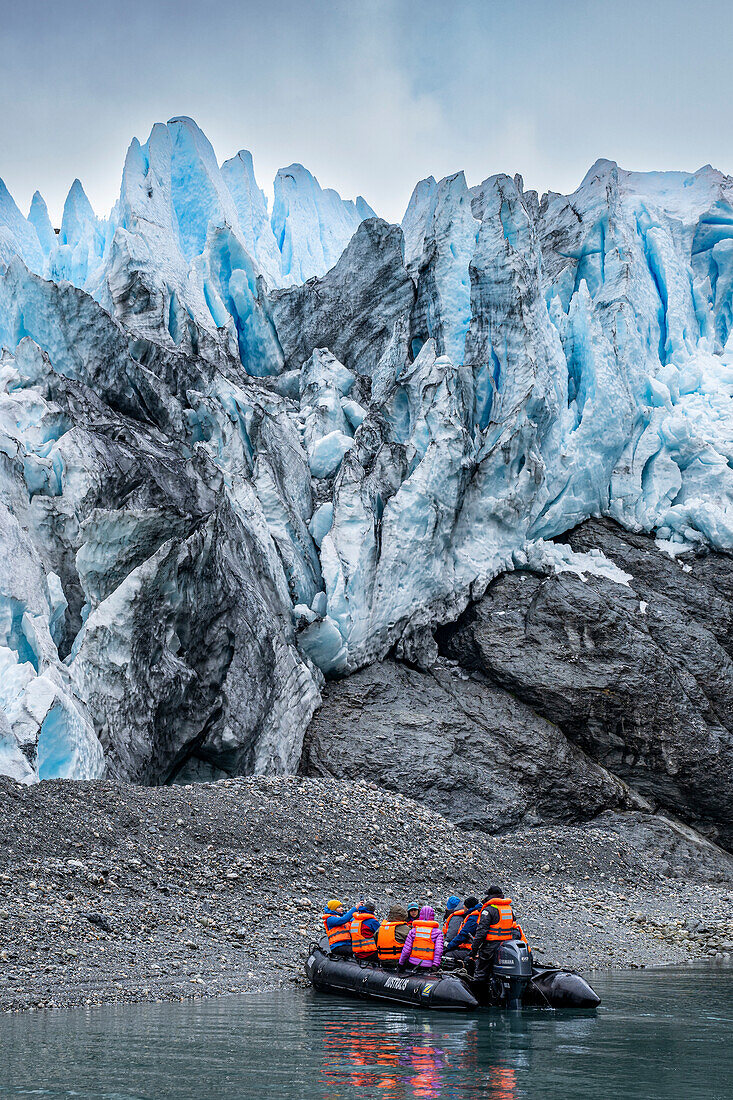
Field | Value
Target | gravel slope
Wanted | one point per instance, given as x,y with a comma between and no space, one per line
113,892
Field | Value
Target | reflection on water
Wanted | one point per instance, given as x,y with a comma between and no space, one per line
399,1059
401,1063
658,1035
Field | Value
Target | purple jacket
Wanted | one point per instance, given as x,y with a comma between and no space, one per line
436,935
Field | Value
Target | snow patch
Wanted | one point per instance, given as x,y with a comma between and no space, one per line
557,557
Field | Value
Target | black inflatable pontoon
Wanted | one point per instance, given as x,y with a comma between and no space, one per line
331,974
559,989
547,987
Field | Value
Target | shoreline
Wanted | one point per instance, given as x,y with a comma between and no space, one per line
112,894
303,985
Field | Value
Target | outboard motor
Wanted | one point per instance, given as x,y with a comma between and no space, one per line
512,967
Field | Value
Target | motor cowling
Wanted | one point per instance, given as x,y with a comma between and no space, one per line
512,967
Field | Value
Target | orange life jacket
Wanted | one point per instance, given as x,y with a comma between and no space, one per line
423,946
506,928
389,948
522,936
339,934
460,912
467,939
362,943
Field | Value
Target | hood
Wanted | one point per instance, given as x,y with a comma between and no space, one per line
427,913
397,913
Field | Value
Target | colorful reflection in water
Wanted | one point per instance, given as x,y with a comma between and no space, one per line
392,1060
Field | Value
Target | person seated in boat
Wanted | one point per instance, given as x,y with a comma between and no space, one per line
451,905
413,911
363,928
424,944
453,920
462,928
496,925
392,935
337,922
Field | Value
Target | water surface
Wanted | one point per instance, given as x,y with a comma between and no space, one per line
659,1034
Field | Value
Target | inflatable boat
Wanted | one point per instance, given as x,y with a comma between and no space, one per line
515,983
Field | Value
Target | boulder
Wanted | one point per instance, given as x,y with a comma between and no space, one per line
638,675
458,743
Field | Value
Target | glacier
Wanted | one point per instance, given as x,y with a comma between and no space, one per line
245,449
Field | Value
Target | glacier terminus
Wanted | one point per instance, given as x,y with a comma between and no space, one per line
250,451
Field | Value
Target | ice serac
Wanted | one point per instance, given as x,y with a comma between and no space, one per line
354,308
18,237
81,240
45,730
443,307
639,249
417,217
172,193
312,226
254,220
186,686
39,219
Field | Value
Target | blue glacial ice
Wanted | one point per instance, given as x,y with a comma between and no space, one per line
312,226
41,222
18,237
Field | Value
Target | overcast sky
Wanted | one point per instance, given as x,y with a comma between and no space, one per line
370,96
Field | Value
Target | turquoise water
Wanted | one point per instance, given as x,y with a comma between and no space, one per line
659,1034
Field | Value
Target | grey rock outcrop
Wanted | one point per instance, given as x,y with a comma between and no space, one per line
676,849
459,744
639,677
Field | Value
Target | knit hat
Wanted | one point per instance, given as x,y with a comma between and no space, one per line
471,903
334,904
452,902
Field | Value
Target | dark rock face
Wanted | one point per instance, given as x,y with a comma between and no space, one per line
354,308
639,677
458,743
556,699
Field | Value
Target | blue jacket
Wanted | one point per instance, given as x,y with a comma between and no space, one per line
469,929
335,920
